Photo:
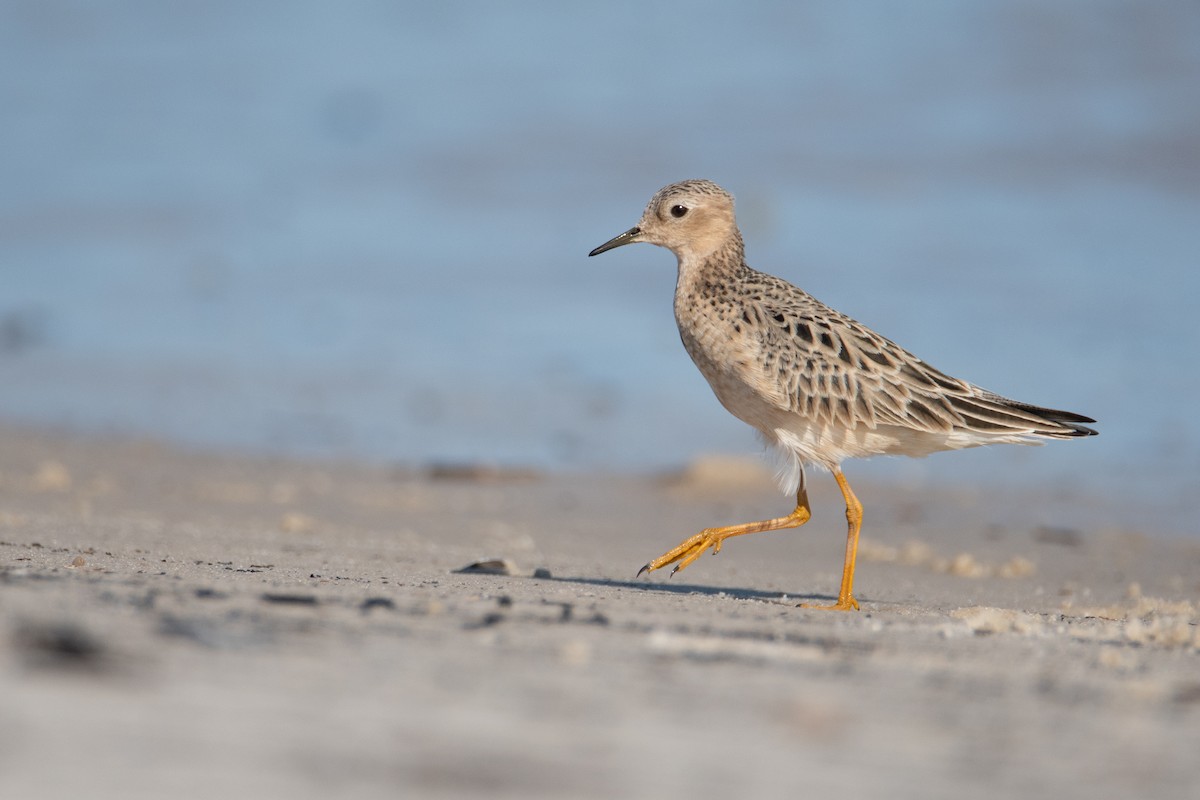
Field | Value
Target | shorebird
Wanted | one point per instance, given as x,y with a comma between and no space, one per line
816,384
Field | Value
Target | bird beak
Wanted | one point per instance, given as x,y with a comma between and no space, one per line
628,237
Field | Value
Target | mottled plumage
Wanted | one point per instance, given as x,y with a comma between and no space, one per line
815,383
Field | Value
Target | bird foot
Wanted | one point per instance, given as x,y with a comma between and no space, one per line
688,550
847,603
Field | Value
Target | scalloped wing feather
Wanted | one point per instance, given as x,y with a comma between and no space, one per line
837,372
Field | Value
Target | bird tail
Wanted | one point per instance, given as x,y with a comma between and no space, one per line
1048,422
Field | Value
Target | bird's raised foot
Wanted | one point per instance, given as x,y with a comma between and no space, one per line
688,550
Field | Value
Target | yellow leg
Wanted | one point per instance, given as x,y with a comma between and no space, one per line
691,549
854,516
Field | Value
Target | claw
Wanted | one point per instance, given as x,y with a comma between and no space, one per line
645,568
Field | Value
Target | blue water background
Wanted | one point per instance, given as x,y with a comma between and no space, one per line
360,229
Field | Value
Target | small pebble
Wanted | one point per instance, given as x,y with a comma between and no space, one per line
59,645
377,602
290,599
494,566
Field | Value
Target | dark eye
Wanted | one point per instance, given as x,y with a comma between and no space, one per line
678,211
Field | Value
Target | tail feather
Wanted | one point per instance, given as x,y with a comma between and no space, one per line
1063,424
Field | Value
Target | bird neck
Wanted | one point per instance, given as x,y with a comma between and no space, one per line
727,261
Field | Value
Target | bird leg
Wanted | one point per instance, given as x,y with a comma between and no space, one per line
691,549
854,516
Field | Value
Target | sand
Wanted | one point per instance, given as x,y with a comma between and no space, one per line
178,624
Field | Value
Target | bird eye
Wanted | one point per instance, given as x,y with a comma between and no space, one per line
678,211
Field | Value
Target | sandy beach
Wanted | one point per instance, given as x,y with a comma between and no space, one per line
357,234
177,624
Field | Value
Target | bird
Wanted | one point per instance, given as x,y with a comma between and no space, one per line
819,386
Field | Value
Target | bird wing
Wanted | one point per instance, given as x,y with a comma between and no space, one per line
835,370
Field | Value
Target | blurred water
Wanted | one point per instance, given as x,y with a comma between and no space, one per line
360,229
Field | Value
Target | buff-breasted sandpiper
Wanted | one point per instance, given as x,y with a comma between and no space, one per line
816,384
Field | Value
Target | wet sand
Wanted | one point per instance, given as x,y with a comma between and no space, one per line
179,624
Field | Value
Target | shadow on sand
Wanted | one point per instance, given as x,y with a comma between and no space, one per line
692,588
